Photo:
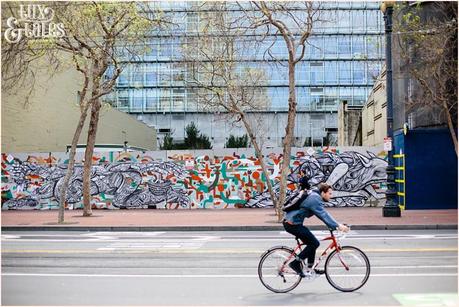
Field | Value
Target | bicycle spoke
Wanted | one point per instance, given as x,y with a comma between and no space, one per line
347,270
274,272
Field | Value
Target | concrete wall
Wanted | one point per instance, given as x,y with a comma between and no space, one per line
270,126
349,125
374,114
47,123
191,179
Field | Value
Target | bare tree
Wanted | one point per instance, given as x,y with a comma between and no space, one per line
218,79
100,37
223,82
293,22
426,36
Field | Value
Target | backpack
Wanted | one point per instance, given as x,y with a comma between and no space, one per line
294,201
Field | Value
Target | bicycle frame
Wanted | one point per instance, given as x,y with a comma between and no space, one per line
334,244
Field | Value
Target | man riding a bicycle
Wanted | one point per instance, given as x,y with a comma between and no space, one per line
293,224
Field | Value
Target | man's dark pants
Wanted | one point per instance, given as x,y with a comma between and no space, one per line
307,238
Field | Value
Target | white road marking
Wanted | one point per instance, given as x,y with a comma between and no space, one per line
206,275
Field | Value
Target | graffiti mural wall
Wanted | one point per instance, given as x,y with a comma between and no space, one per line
183,180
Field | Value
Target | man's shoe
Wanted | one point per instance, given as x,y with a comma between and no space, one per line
296,266
319,272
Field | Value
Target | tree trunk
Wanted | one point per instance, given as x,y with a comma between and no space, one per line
70,168
285,169
89,151
262,162
450,125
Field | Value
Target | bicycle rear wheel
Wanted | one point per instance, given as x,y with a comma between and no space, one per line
348,269
274,272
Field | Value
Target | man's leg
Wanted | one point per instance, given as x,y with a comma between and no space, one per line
308,238
311,245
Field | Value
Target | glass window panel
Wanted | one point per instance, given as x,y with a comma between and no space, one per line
151,99
303,97
345,72
152,50
136,100
373,44
123,79
344,46
164,100
317,72
344,21
178,99
358,72
164,74
279,96
331,99
151,75
165,48
373,70
123,100
302,72
358,46
315,47
331,72
137,75
358,20
345,94
373,20
359,96
330,46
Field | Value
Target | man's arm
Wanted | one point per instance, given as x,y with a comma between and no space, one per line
324,216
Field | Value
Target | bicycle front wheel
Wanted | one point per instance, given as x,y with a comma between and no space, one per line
274,272
348,269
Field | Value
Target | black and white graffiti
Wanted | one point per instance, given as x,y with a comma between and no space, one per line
352,176
132,185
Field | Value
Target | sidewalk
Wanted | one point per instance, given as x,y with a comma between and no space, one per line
226,219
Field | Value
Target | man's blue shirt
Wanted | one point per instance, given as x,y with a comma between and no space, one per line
312,205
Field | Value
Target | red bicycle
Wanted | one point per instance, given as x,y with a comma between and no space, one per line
347,268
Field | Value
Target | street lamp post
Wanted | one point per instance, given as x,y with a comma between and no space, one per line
391,208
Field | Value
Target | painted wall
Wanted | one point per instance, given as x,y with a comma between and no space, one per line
431,168
48,122
187,180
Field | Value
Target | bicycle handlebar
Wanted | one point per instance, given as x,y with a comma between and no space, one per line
340,234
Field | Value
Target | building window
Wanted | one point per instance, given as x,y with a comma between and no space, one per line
317,72
330,46
151,75
178,99
345,72
123,100
137,75
123,79
331,72
358,46
137,101
151,99
317,102
165,100
344,46
358,72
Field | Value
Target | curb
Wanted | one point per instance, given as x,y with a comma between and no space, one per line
216,228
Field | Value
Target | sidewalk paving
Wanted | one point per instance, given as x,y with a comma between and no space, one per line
210,220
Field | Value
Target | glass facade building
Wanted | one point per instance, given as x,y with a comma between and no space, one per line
343,57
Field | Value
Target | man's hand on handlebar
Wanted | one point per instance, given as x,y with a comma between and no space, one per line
343,228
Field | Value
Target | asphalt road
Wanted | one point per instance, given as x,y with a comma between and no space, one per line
215,268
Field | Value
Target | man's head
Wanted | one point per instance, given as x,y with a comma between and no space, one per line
325,191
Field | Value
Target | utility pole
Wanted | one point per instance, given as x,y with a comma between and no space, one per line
391,208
